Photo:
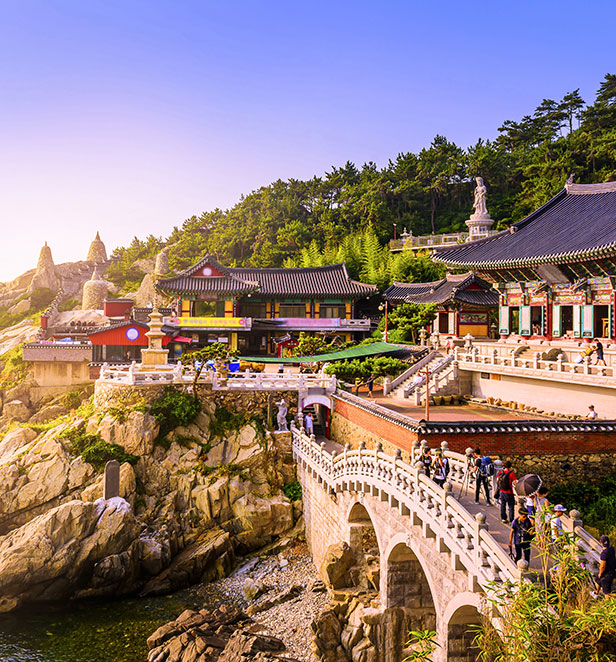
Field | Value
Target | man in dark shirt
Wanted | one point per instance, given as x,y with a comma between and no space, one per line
607,566
506,481
481,477
521,535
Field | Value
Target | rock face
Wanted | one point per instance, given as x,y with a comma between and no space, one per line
45,275
48,558
225,634
136,435
339,559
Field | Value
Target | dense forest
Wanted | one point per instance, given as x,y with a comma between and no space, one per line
349,213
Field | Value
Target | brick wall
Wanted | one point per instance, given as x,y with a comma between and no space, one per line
590,454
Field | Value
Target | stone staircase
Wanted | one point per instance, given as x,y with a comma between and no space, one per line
443,381
405,388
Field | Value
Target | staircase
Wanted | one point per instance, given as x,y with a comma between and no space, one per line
443,381
408,386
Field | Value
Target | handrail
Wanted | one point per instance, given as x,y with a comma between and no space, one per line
466,536
438,368
409,372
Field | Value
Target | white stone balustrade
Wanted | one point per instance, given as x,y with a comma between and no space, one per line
412,494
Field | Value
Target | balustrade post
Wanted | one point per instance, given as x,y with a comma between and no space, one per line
536,360
397,460
559,363
587,365
498,466
480,525
447,494
414,450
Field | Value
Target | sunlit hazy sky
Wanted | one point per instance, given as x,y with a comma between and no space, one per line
128,117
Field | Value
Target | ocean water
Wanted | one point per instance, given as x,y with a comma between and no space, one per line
101,631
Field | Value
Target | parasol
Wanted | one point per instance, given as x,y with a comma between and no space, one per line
528,485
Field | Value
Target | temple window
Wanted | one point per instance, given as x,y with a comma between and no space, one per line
292,310
332,311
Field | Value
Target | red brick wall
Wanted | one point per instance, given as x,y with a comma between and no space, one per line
493,443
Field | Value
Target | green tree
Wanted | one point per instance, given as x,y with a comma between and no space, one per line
405,320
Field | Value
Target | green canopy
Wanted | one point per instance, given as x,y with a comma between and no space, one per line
352,353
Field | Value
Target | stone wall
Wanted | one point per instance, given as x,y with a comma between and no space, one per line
108,394
589,455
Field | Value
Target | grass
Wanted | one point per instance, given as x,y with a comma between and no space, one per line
94,449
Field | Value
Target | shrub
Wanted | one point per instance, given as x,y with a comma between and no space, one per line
72,400
94,450
293,490
173,409
15,368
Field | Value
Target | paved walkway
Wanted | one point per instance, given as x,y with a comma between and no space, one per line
497,529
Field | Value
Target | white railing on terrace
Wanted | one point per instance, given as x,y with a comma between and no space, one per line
413,494
556,370
433,240
240,381
388,387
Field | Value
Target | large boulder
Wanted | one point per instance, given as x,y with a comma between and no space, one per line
55,554
259,520
49,413
16,410
14,440
136,434
339,559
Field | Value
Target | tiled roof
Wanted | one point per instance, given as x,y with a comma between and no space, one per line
453,286
577,224
326,281
117,325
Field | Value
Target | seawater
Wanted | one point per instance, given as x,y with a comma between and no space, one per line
101,631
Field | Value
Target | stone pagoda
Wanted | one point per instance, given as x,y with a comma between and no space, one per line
155,355
97,252
94,292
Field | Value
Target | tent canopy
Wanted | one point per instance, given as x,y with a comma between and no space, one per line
352,353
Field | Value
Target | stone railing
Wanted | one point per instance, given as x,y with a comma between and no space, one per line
554,370
411,493
240,381
436,240
389,386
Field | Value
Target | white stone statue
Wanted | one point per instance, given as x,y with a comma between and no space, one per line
479,204
281,416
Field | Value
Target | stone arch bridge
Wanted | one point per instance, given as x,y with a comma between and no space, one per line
424,556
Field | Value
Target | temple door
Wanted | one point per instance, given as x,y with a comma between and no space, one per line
577,321
556,321
588,321
504,321
525,320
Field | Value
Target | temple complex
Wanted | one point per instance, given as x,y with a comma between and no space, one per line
262,311
555,270
463,302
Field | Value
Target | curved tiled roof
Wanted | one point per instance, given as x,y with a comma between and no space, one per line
453,286
579,223
332,280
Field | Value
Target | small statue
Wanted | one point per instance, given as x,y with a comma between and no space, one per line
281,416
570,179
479,204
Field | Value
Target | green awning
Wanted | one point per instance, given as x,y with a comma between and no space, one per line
352,353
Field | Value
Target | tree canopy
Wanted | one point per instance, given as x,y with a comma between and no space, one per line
349,213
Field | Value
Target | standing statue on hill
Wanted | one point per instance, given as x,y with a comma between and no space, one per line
281,416
479,204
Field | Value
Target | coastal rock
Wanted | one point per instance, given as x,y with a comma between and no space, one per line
14,440
339,559
49,413
16,410
136,435
55,553
261,519
128,484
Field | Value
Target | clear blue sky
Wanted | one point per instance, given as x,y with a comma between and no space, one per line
129,116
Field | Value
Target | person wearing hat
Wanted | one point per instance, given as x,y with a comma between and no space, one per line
440,466
556,525
607,566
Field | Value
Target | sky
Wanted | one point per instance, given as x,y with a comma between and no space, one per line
129,116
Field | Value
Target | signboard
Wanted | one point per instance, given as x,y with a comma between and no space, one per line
537,299
212,322
473,318
570,299
515,299
603,296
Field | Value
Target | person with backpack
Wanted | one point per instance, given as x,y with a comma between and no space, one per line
484,468
521,535
440,467
506,481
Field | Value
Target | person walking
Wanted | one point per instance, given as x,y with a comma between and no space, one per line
426,460
556,525
599,352
607,566
440,467
521,535
592,414
482,467
370,384
506,481
309,424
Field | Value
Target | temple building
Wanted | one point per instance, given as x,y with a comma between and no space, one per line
555,270
463,302
262,311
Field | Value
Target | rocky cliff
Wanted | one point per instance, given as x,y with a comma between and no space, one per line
189,504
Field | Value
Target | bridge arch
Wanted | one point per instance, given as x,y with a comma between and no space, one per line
316,399
407,583
364,540
461,614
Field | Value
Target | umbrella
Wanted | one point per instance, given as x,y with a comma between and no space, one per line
528,485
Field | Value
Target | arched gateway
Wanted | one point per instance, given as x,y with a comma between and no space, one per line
428,557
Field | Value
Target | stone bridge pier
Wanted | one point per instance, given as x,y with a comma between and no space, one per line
421,583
